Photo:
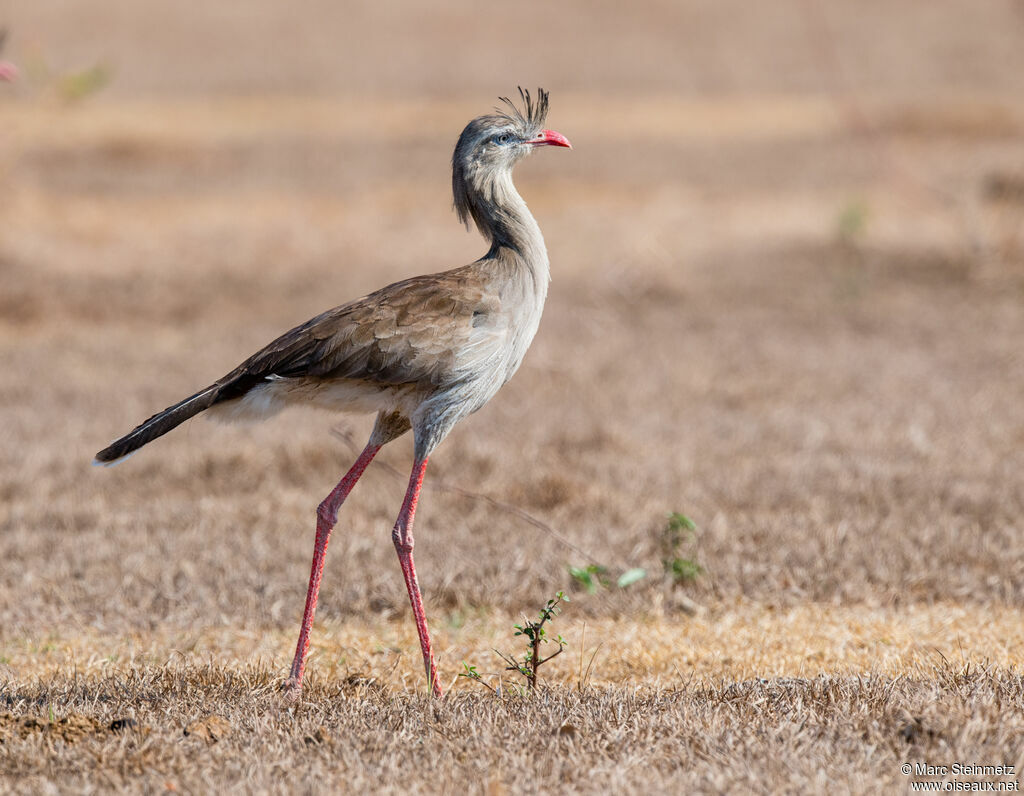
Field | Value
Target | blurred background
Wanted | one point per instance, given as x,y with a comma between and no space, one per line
787,304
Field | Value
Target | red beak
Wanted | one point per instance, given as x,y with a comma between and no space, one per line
549,138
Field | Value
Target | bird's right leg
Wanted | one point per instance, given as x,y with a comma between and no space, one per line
402,537
326,517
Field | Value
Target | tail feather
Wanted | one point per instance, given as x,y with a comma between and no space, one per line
159,424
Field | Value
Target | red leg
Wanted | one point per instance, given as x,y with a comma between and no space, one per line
402,537
326,517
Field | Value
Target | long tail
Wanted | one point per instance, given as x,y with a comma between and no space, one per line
159,424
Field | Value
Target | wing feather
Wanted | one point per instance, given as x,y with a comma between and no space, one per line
423,330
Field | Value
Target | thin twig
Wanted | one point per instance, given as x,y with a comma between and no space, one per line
597,649
552,655
583,644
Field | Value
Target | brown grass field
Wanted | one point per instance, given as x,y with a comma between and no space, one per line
788,301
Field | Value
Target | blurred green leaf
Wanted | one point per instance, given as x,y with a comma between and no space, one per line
684,569
852,220
677,521
590,577
78,85
631,576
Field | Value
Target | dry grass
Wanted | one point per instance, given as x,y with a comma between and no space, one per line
736,642
802,333
201,729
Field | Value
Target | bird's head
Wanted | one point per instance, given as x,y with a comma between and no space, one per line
494,143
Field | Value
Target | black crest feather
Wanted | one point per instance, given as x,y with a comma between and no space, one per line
533,113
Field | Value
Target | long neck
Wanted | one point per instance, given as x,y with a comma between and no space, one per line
503,218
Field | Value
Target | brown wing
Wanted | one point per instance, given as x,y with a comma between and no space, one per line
425,330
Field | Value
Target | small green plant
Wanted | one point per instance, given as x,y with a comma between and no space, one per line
593,576
75,86
70,86
470,673
536,635
852,221
678,531
590,577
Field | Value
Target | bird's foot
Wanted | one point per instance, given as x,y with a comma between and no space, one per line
292,689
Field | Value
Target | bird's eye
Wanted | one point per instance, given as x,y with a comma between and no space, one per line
504,138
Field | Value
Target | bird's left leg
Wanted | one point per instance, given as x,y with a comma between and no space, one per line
402,537
326,517
388,427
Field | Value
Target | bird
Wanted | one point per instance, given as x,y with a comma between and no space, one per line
421,353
